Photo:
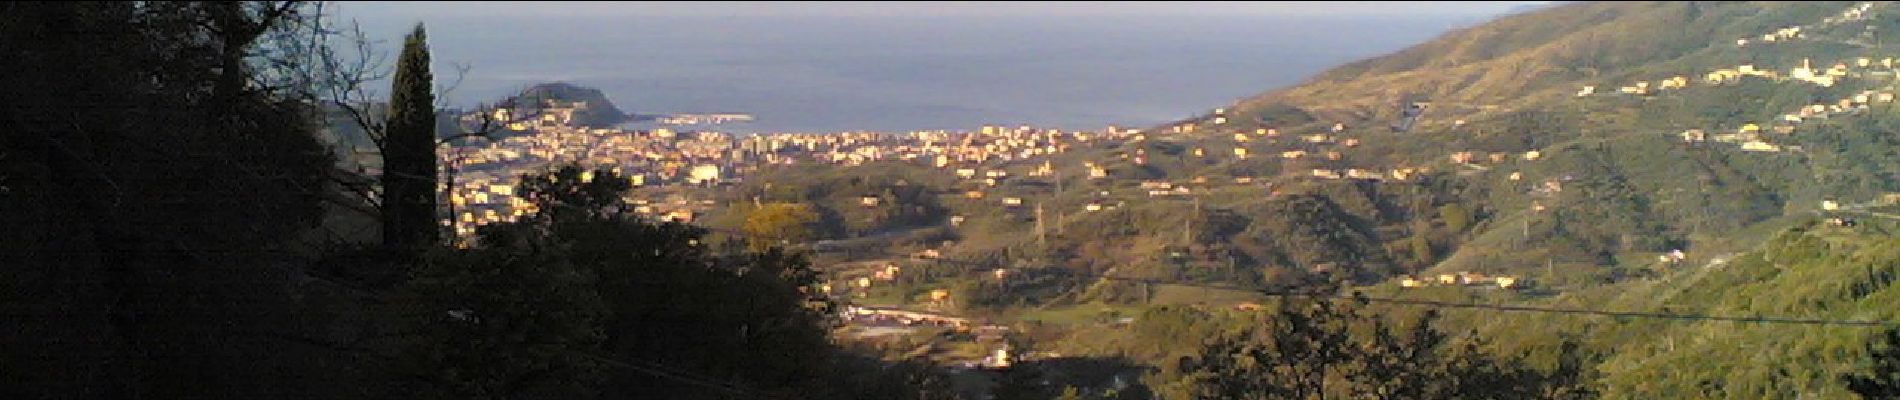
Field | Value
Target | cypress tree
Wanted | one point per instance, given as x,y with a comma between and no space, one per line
409,165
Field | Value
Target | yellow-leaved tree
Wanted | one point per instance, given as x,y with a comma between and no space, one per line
774,224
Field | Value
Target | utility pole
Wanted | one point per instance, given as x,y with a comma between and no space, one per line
1187,234
1187,231
1041,235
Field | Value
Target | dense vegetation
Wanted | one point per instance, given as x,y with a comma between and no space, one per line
592,108
1612,186
176,230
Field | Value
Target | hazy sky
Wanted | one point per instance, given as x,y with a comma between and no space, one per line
950,8
831,66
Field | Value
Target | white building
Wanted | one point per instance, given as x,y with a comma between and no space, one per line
703,173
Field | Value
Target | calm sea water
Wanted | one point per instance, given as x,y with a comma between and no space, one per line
828,74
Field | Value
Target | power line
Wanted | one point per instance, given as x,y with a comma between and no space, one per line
677,375
1434,303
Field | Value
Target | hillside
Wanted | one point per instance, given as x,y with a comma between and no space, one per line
1526,59
1595,182
1567,147
589,106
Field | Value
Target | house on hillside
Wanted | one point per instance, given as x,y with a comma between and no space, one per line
683,216
1721,76
1675,82
927,254
1782,128
1760,146
1412,282
1356,173
1640,88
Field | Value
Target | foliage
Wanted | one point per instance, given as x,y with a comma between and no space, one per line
778,224
1309,234
504,321
1023,382
598,110
1883,380
1323,348
153,172
1455,216
409,144
572,193
633,292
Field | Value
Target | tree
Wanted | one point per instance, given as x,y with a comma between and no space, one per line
155,168
409,161
1321,348
1882,381
1399,367
1069,393
505,321
570,193
1421,250
1467,372
1574,376
775,224
1289,356
755,320
1455,216
1024,381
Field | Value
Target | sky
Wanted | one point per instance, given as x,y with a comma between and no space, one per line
829,66
949,8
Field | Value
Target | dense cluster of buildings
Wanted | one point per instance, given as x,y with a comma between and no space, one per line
482,187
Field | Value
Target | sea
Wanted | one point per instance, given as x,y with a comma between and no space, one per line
821,74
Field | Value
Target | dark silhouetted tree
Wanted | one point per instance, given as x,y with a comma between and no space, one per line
156,170
409,162
505,321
